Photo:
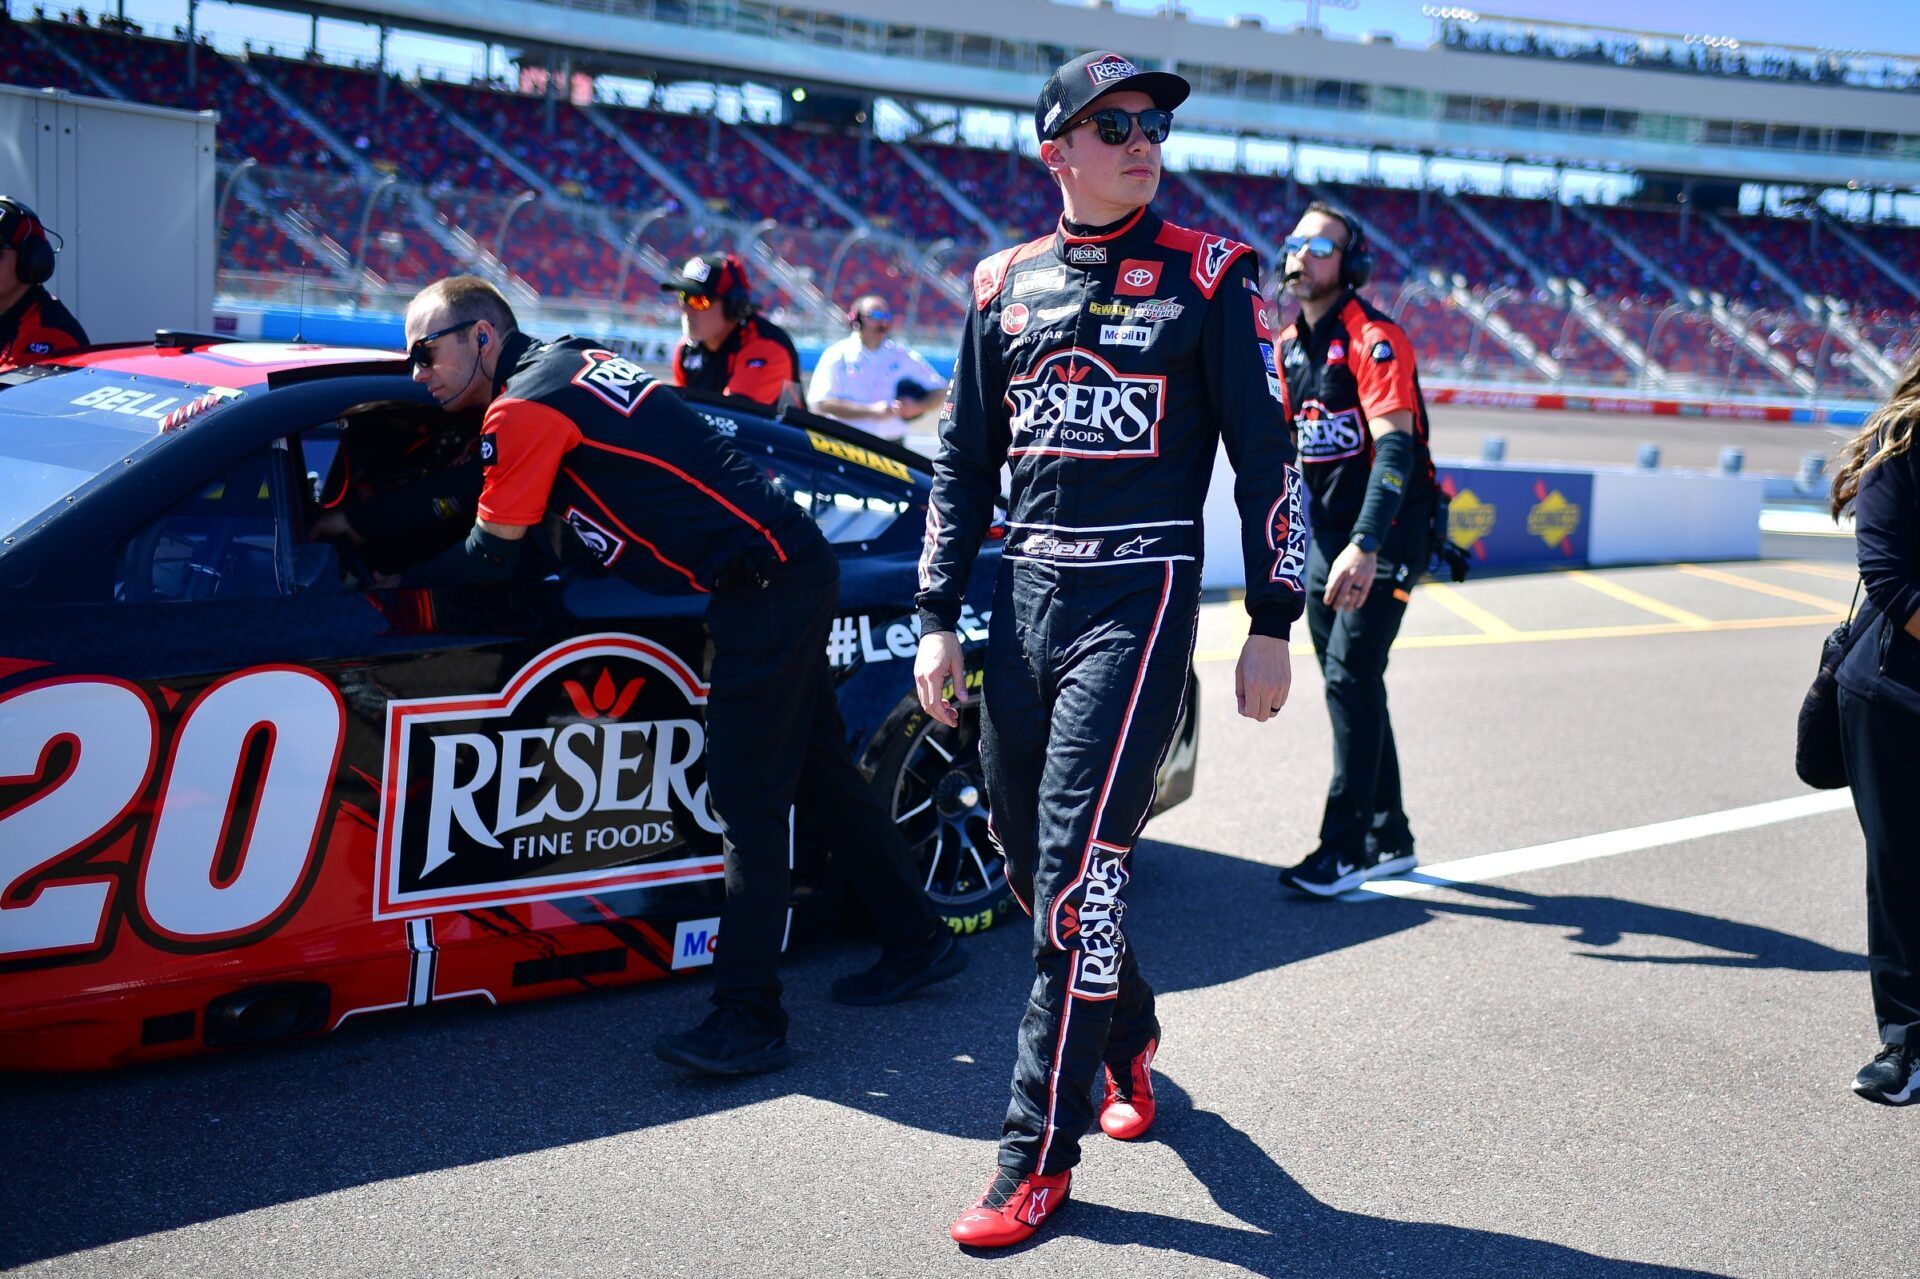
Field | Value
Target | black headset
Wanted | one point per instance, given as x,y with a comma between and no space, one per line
21,229
732,290
1356,259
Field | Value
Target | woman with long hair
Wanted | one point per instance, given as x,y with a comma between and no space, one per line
1879,479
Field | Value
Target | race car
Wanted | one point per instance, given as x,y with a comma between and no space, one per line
258,783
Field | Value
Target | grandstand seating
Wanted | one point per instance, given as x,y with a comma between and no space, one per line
403,135
1701,258
156,71
442,211
1442,240
1007,186
886,190
580,161
1571,250
24,61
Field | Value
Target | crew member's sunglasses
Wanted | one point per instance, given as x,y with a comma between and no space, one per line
1314,246
1116,126
420,354
696,301
879,315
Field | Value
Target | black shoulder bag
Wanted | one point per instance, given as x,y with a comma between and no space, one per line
1816,748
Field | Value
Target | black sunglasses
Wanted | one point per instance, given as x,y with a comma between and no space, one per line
1314,246
1116,126
420,354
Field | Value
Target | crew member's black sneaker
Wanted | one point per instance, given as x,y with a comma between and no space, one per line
899,973
731,1041
1326,873
1892,1078
1390,861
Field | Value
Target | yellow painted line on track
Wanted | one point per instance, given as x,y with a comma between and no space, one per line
1818,570
1466,610
1761,588
1406,642
1645,603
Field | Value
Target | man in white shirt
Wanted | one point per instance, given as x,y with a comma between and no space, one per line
872,381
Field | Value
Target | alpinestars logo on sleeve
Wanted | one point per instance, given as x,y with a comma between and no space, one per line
1210,261
615,380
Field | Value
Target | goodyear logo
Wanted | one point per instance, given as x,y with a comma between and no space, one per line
1553,519
863,457
1469,519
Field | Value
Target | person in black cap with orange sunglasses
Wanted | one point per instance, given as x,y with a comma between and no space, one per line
730,348
1105,361
33,323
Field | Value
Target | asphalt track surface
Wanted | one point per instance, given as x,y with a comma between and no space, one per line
1630,1065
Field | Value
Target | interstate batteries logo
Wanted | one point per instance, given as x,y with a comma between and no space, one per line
1075,404
586,772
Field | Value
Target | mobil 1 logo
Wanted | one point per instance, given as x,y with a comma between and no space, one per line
584,772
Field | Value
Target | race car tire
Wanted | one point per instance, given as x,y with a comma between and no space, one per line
929,777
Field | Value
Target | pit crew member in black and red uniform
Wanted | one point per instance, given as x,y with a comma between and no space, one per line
1361,426
33,323
1104,361
662,498
730,348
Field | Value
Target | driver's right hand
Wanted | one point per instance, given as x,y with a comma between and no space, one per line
939,669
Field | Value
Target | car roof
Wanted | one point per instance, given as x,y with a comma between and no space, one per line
212,362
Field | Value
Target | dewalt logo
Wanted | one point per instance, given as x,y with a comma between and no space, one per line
862,457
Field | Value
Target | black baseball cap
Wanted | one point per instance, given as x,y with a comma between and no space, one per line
1073,88
713,274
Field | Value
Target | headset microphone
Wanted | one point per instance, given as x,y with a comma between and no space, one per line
480,341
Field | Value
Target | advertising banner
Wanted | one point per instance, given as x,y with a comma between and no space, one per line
1516,518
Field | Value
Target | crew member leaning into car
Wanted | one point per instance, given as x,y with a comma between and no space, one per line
33,323
729,347
660,497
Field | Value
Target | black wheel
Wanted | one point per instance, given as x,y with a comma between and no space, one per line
930,779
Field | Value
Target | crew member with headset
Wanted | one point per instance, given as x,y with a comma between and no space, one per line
33,323
661,498
1360,424
870,379
729,347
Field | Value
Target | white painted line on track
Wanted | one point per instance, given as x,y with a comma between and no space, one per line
1474,870
1804,521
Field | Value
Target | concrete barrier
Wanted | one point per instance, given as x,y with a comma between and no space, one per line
1555,517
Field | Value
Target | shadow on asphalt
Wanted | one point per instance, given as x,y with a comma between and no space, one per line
1289,1232
96,1158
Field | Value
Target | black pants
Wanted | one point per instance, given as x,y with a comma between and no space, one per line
1881,746
1363,808
774,738
1086,677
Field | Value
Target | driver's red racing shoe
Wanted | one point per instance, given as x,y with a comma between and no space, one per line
1013,1208
1127,1110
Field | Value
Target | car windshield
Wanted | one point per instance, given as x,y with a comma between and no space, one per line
60,430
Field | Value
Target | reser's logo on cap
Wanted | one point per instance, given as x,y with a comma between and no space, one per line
697,269
587,772
1110,68
1075,404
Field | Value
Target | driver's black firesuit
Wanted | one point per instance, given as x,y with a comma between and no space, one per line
1105,366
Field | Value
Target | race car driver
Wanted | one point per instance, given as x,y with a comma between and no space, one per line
729,348
33,323
1354,397
1103,361
662,498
